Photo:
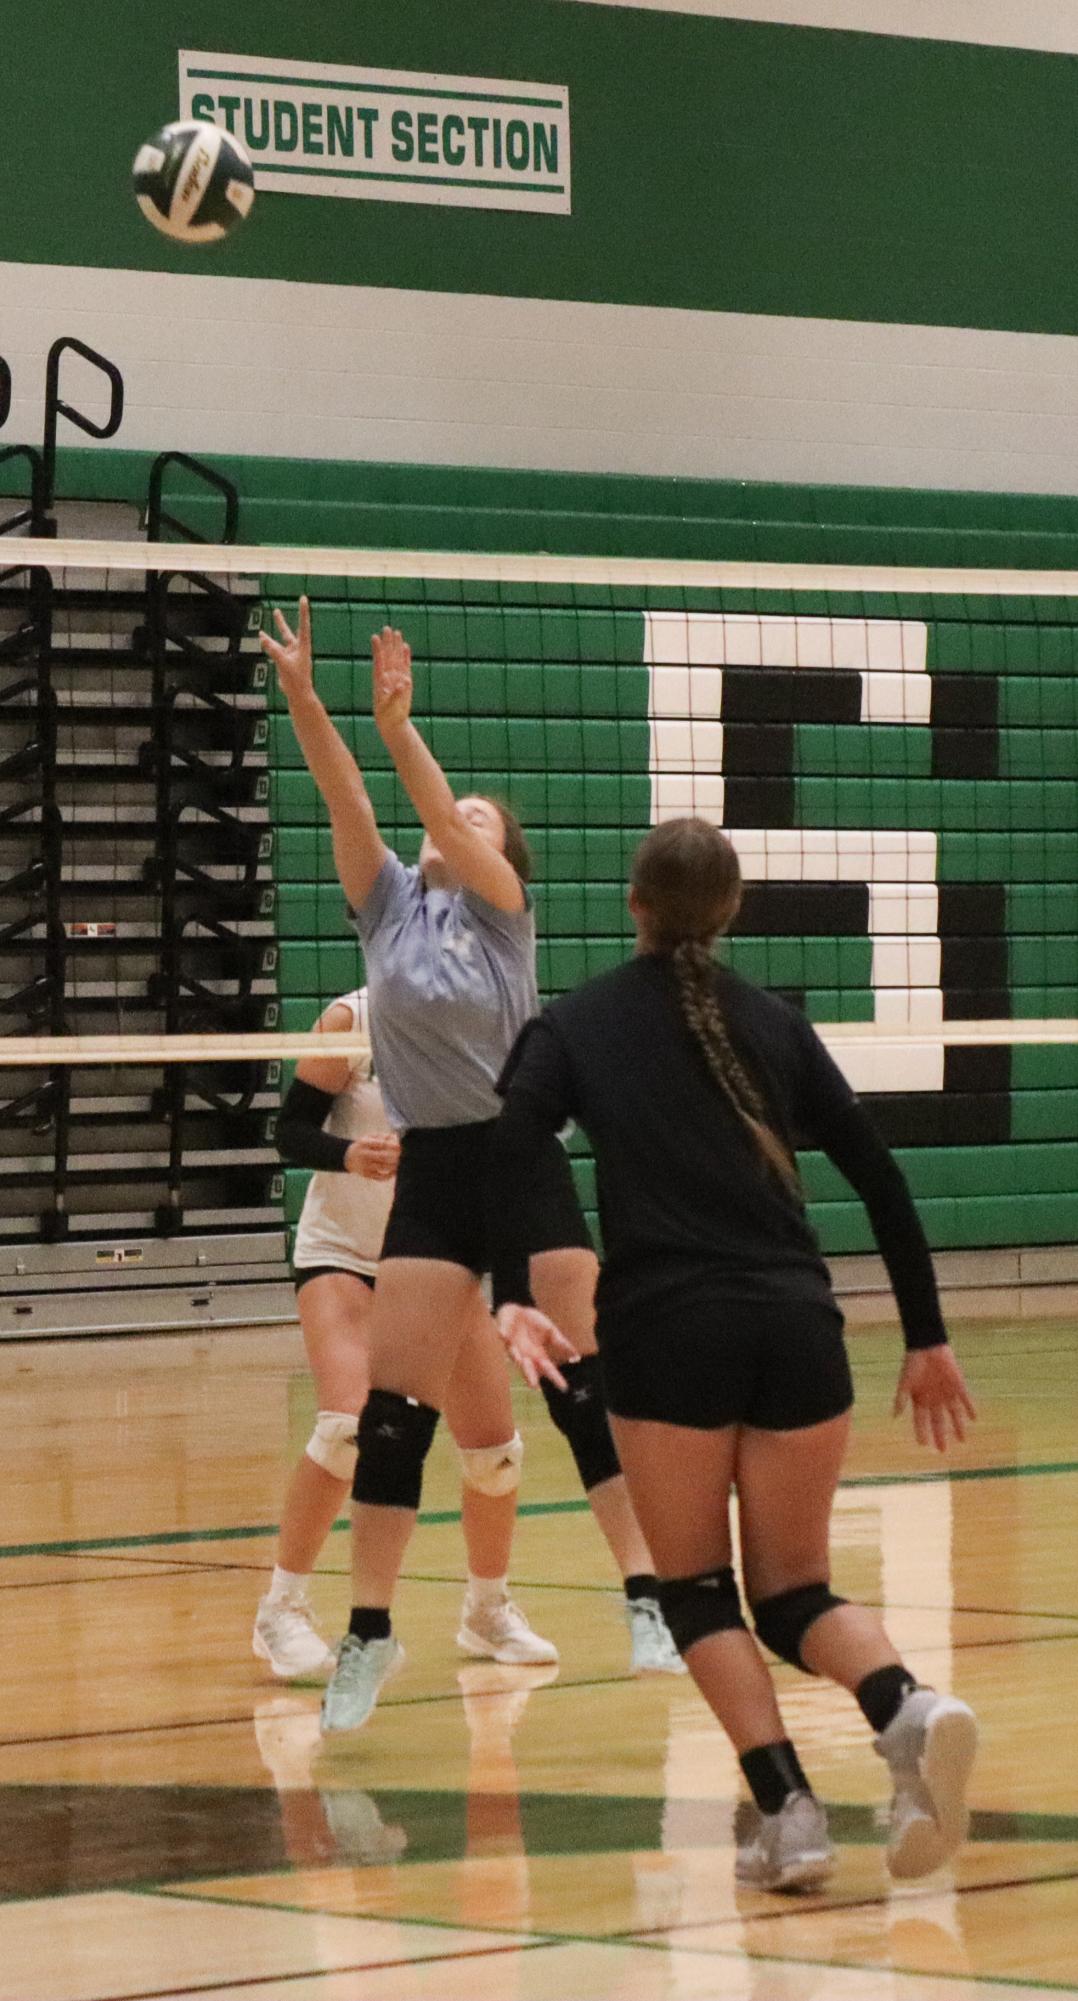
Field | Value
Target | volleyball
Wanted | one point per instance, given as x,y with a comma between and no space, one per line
193,181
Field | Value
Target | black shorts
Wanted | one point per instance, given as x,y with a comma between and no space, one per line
710,1362
441,1205
303,1274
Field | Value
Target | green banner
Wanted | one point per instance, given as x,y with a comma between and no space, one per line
717,164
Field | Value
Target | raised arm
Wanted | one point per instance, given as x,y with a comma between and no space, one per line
471,859
358,847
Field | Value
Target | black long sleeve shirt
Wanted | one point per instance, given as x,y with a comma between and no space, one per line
680,1179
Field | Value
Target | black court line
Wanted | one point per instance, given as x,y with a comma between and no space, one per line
114,1577
229,1985
248,1716
808,1909
660,1939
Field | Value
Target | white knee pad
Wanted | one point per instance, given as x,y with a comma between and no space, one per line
332,1443
493,1469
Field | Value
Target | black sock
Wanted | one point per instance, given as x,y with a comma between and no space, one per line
774,1772
883,1692
642,1585
369,1622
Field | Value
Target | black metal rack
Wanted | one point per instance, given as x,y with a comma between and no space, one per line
135,892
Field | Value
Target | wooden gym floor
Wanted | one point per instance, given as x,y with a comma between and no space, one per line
169,1826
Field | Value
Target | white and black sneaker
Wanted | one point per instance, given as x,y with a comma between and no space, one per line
929,1747
788,1850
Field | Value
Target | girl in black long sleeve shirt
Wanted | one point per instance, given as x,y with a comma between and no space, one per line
720,1337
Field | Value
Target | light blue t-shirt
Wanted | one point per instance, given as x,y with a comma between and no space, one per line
451,982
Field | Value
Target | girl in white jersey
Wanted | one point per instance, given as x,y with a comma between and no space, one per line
333,1120
450,954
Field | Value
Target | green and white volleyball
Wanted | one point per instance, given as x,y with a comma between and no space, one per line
193,181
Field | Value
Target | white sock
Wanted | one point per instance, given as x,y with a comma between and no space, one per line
285,1582
486,1590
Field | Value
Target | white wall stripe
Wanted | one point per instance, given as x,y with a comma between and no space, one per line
340,371
1018,24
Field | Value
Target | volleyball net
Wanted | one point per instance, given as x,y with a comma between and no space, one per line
893,752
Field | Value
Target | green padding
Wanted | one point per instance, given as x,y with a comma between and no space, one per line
295,1188
1029,699
862,749
1044,1115
597,909
312,911
802,962
369,505
1043,1003
935,803
319,971
564,962
1035,753
1003,649
964,1171
511,744
1007,857
598,855
1049,909
1047,961
1044,1066
564,798
974,1222
488,688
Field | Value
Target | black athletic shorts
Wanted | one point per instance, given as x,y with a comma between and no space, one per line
696,1357
441,1205
303,1274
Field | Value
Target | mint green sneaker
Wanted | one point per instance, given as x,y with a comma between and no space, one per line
362,1667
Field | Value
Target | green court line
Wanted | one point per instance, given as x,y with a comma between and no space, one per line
439,1518
667,1943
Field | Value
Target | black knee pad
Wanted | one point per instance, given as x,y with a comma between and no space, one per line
580,1415
395,1436
693,1607
783,1621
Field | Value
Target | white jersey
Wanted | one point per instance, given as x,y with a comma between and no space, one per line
344,1216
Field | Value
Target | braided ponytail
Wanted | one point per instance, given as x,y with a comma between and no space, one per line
687,879
693,969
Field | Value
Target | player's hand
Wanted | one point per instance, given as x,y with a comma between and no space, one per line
392,684
535,1344
376,1156
291,653
933,1385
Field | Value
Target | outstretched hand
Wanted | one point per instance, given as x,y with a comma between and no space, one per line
535,1344
392,685
291,652
933,1385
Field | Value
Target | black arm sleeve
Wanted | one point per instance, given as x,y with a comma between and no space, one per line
531,1204
300,1138
833,1118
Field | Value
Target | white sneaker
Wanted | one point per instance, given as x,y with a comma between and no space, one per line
285,1635
788,1850
653,1649
497,1630
929,1747
362,1668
